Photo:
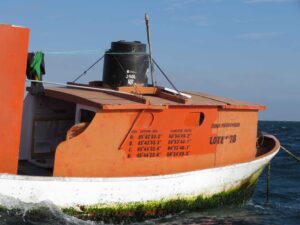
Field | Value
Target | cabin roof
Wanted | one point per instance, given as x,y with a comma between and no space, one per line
121,100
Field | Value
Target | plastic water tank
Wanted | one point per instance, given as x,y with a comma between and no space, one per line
125,64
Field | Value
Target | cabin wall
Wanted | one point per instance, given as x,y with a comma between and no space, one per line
152,142
45,122
139,142
13,58
236,136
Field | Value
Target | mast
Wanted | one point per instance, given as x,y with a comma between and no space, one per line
149,49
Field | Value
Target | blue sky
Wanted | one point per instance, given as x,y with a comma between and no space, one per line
244,49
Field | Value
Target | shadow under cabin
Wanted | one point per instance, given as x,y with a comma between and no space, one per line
46,122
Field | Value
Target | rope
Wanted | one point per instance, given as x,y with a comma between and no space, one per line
73,52
84,72
268,181
269,170
165,75
126,53
290,154
124,71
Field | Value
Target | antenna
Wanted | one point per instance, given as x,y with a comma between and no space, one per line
149,48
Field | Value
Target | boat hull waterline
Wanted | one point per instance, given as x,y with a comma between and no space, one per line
76,195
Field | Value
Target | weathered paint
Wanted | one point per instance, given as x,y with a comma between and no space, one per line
104,150
241,125
143,210
68,192
13,56
136,211
157,142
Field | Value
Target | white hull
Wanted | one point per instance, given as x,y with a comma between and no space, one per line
66,192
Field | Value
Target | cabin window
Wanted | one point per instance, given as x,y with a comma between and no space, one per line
83,118
201,118
86,115
194,119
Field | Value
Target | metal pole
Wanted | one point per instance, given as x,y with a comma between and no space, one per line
149,48
80,87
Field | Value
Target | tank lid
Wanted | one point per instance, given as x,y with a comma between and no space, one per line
127,46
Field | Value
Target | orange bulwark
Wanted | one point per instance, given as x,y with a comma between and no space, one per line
13,56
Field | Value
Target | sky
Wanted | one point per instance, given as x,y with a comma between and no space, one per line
242,49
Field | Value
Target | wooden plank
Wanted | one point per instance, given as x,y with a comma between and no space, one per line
138,89
56,93
108,100
172,97
245,107
131,97
136,106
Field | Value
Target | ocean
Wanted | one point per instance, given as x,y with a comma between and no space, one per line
283,207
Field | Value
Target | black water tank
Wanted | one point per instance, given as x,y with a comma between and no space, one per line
125,63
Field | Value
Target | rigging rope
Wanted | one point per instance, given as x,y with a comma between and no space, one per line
84,72
269,169
165,75
72,52
268,180
291,154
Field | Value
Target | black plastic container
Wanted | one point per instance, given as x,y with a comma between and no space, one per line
125,64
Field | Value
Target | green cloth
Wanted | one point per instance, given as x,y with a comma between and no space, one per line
36,64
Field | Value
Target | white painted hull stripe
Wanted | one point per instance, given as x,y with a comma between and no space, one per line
87,191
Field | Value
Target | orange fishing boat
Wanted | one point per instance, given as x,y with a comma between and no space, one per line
123,146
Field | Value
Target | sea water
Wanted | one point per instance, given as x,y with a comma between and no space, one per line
283,207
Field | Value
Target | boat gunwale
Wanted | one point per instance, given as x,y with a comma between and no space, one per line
262,157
